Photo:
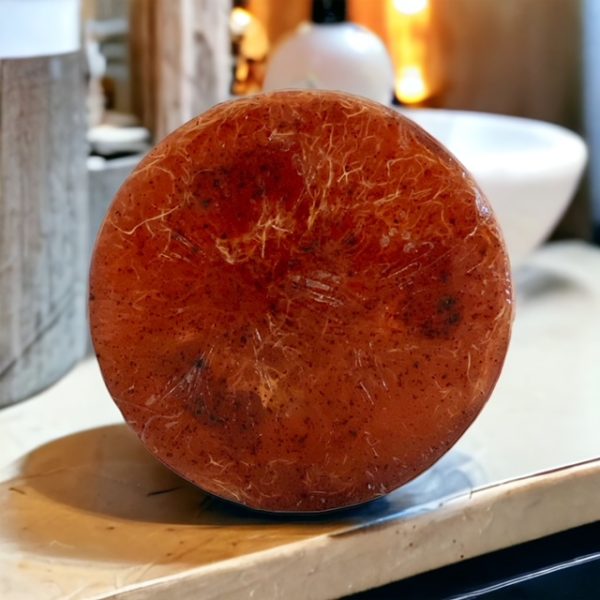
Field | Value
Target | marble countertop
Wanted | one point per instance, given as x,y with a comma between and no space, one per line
85,512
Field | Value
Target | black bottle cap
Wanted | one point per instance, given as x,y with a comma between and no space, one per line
329,11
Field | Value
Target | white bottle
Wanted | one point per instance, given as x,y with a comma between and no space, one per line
332,53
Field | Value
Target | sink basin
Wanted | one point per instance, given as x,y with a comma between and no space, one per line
528,169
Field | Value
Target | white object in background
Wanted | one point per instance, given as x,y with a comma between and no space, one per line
335,56
529,170
109,139
31,28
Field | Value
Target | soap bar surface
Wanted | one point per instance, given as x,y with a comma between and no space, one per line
300,300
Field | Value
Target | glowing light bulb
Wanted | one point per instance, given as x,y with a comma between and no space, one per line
411,7
408,23
411,86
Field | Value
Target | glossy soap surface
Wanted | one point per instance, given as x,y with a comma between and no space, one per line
300,300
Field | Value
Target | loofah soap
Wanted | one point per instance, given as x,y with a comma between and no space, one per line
300,300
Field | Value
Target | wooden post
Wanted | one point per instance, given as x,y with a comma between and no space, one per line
189,68
43,222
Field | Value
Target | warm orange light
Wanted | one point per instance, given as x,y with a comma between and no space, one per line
411,86
408,23
410,7
239,20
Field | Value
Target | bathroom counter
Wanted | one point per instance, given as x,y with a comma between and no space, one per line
85,512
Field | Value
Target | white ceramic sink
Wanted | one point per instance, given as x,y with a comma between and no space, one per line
528,169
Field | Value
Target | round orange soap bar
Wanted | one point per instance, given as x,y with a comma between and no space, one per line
300,300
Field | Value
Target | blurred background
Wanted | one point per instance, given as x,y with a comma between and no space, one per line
165,60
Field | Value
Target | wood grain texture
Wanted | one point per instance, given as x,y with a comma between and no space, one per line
518,57
142,22
181,59
43,222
